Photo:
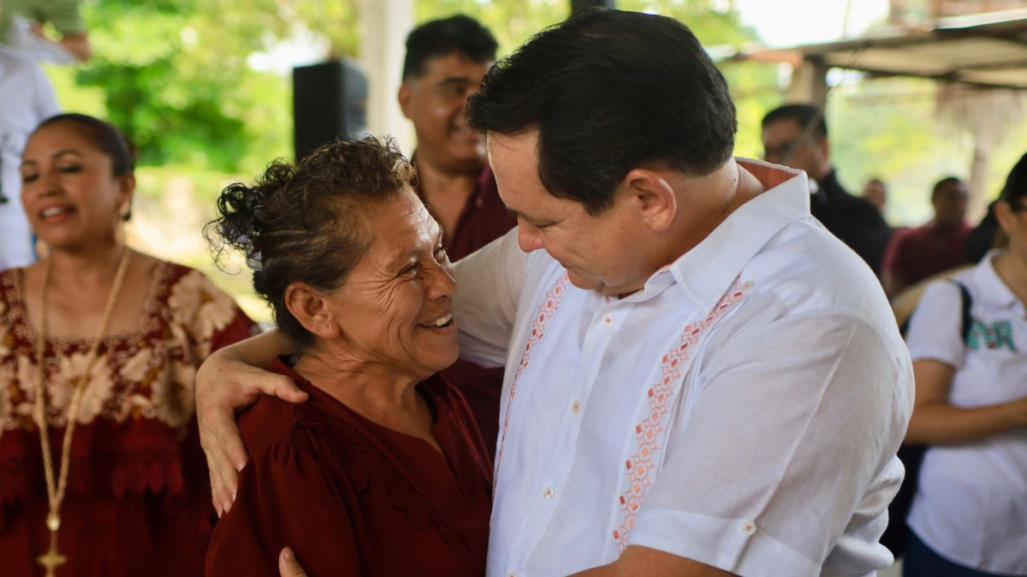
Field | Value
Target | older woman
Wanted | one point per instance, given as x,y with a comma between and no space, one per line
382,471
100,467
969,515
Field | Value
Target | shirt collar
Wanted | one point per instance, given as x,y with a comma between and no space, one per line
706,272
993,289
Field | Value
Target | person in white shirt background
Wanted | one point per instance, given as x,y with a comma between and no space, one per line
701,380
27,99
969,514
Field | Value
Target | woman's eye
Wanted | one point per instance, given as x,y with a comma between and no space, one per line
27,178
72,168
410,270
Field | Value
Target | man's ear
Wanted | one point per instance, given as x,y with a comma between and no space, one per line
653,196
824,144
403,96
309,307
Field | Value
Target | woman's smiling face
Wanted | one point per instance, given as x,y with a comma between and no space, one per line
69,191
395,307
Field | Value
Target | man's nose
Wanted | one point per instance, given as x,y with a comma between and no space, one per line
529,238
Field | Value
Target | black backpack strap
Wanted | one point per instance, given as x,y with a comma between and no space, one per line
966,302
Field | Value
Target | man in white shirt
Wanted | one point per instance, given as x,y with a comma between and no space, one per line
700,379
27,99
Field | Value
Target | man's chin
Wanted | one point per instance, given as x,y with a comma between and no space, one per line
584,283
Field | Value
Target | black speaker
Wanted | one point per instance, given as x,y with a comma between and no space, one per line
329,101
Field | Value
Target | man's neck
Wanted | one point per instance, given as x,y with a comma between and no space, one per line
945,227
742,185
446,192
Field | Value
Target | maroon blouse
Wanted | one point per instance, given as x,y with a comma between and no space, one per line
354,498
484,219
138,500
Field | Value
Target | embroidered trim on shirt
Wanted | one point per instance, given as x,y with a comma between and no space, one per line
538,331
649,432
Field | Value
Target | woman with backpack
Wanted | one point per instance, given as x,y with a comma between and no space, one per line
969,513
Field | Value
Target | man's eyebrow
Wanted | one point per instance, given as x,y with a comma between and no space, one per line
531,220
455,80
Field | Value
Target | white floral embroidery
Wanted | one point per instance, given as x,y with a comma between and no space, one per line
198,304
173,401
135,368
148,374
97,391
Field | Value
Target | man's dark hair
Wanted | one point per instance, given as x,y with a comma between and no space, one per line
610,91
938,186
437,38
805,115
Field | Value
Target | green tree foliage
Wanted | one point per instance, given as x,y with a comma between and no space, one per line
176,75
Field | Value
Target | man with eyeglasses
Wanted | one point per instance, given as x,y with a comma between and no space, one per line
795,135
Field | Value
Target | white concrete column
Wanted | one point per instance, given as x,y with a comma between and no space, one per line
385,24
808,84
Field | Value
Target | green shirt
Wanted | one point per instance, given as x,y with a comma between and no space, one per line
63,14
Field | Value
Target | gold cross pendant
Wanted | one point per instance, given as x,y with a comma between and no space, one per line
52,560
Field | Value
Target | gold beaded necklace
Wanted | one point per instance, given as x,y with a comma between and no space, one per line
55,491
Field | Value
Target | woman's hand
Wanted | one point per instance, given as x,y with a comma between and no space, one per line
228,381
288,566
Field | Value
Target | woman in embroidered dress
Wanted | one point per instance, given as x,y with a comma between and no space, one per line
969,513
120,334
382,472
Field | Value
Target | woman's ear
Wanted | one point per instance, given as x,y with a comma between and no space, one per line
309,307
126,192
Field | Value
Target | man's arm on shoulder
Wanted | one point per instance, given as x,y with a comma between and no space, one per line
653,563
230,380
489,284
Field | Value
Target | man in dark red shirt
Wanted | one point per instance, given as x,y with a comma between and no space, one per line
918,253
444,65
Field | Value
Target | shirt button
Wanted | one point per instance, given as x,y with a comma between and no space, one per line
548,493
576,407
608,320
748,528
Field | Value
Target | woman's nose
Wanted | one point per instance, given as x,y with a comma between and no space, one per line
441,283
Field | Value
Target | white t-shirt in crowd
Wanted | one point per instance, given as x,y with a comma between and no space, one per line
743,410
971,500
26,99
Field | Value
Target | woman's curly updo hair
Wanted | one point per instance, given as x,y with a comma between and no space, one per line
307,223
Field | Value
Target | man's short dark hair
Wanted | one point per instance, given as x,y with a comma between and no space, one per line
805,115
436,38
610,91
948,180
